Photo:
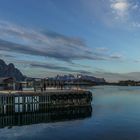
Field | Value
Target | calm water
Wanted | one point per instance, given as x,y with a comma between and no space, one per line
115,116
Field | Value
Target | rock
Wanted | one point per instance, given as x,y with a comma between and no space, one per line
10,71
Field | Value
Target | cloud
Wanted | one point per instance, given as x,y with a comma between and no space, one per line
25,45
114,13
116,56
18,39
120,5
135,7
120,8
102,49
66,54
135,24
47,44
136,61
59,68
125,11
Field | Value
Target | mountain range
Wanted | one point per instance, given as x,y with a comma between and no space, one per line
9,70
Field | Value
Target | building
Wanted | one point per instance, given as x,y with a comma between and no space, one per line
7,83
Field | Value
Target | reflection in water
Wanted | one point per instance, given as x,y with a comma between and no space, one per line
44,116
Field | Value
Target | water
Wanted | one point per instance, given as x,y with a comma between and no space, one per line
115,116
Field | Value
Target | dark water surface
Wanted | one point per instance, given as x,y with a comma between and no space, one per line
115,116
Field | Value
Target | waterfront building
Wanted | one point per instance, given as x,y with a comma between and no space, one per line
7,83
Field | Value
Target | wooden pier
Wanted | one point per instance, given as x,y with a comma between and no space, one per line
30,101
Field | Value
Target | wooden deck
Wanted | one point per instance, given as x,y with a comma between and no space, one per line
49,91
30,101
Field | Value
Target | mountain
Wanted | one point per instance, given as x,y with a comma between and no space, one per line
10,71
80,79
91,78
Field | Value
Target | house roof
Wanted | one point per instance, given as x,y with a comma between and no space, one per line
4,79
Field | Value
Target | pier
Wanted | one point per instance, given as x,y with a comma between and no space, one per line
15,102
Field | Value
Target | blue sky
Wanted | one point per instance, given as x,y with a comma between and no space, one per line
95,37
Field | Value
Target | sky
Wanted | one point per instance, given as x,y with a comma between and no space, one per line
93,37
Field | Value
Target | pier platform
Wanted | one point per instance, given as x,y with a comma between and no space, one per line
30,101
48,91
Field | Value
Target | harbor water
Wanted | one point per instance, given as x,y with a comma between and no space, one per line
113,115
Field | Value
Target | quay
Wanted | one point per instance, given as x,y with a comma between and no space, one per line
15,102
